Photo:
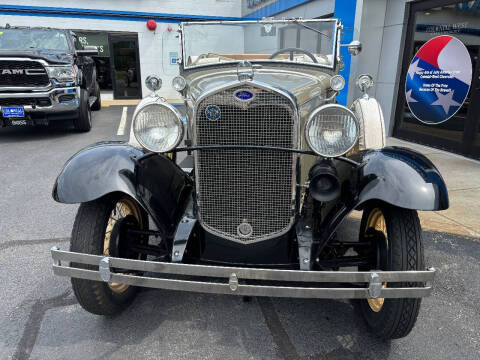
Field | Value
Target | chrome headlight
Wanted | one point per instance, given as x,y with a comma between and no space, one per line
157,126
331,130
153,82
62,73
337,82
179,83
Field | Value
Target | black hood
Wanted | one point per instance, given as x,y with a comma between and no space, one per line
52,57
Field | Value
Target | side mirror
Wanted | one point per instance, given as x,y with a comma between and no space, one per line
88,51
355,47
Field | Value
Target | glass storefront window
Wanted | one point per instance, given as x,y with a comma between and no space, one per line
462,22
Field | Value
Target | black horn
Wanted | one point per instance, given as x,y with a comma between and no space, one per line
324,182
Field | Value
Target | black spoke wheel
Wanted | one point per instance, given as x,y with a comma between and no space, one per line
396,238
101,228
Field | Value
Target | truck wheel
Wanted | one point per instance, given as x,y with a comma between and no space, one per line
95,231
84,120
97,105
397,237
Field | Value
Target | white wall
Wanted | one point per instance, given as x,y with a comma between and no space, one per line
154,46
380,29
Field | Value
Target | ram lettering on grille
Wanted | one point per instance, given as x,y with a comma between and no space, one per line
245,195
22,73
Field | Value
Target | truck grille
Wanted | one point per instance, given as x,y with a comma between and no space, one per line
12,73
246,195
43,101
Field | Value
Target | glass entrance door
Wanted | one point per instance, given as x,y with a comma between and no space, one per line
125,69
427,20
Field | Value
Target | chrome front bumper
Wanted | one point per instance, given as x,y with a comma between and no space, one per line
233,280
52,94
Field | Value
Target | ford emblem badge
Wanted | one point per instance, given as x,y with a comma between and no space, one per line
244,95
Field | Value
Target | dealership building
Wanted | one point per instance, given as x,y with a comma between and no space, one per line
391,32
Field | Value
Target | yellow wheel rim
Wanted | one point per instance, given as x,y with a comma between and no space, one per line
121,209
376,220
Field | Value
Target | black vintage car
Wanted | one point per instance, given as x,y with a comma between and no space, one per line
274,165
46,75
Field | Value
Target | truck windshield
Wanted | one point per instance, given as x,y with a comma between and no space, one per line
30,39
300,41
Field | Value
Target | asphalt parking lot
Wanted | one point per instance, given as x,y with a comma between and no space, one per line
40,318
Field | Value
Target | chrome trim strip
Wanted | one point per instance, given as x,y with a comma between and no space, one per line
53,95
229,273
263,21
297,144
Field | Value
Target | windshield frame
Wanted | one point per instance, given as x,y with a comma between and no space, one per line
335,50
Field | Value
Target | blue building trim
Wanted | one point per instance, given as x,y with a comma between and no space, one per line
47,11
345,11
275,8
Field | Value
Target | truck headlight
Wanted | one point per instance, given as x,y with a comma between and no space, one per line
157,126
62,73
331,130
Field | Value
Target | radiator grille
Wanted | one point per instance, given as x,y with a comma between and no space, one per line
8,78
252,187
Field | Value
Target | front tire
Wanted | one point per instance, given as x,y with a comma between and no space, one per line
401,232
83,122
91,235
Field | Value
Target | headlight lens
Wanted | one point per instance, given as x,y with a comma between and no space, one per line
153,82
62,73
179,83
337,82
331,130
158,126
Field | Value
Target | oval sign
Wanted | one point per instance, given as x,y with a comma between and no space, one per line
244,95
438,79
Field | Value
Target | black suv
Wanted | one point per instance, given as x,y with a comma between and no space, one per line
46,75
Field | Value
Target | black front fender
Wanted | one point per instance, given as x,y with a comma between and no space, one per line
155,182
95,171
394,175
400,177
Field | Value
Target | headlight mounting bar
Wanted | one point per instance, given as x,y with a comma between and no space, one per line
247,147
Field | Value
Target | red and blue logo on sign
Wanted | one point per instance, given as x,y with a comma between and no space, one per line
438,79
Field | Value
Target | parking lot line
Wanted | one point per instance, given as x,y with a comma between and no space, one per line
123,121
